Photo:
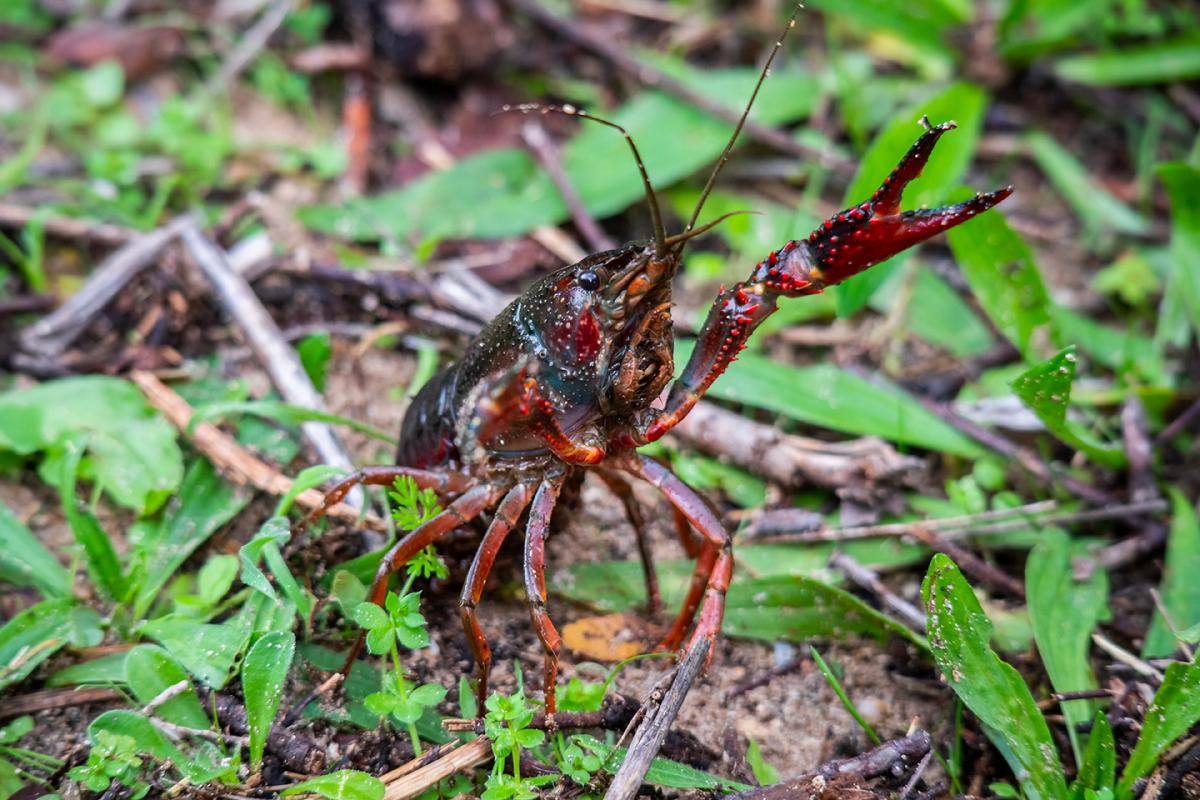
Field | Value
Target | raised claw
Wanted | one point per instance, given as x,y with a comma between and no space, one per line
864,235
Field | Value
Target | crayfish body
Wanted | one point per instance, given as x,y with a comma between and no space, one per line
569,375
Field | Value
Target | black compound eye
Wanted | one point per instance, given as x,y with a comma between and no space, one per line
589,280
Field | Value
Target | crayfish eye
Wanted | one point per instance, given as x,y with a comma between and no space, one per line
589,280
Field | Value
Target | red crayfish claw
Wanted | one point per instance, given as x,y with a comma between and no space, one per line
864,235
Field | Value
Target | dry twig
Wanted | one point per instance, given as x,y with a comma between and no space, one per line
868,580
234,461
653,730
269,345
460,759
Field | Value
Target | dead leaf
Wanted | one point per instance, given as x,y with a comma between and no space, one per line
612,637
140,51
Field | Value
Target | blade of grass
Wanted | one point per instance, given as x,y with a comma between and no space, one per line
1160,62
1179,589
1096,208
25,561
1176,708
1064,612
99,556
836,685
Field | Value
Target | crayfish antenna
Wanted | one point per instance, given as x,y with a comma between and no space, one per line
864,235
660,233
762,76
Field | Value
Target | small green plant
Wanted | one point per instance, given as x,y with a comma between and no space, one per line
576,763
506,723
15,761
400,622
113,757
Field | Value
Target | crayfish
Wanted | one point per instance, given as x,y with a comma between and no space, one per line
568,377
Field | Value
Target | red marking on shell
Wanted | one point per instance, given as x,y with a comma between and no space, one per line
833,238
771,259
741,296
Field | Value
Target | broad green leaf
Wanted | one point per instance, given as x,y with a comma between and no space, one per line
32,636
106,670
1046,389
1176,708
99,556
1064,612
1003,276
959,633
25,561
205,502
662,772
1098,769
314,351
937,314
210,652
1096,208
830,397
503,193
1180,589
346,784
1160,62
149,671
961,102
132,452
264,674
1182,182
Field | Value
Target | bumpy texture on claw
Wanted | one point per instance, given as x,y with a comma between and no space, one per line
864,235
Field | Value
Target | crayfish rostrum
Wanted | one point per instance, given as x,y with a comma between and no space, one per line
568,378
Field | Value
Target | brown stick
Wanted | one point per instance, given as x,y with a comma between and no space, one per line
57,698
971,564
52,334
74,228
271,349
656,78
889,758
233,460
1027,458
653,730
547,155
868,580
788,460
460,759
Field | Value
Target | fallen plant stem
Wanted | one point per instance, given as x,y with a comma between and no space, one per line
234,461
272,350
460,759
970,563
867,579
657,722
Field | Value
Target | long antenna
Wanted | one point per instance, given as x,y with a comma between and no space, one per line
762,76
660,233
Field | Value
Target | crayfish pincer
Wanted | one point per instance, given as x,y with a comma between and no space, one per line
568,378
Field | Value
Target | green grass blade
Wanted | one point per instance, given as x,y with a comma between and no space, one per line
1098,210
1176,708
959,633
1063,613
1179,589
840,691
32,636
1160,62
1098,769
285,414
101,559
25,561
205,502
264,674
1182,182
345,784
1003,276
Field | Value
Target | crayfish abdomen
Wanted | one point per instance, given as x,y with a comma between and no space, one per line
568,375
